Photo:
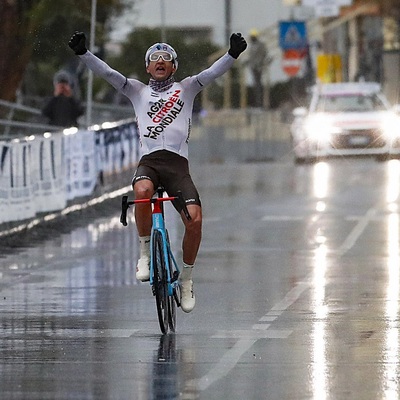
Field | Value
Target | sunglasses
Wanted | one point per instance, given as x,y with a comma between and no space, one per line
163,54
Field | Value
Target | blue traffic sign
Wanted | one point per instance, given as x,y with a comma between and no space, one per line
292,35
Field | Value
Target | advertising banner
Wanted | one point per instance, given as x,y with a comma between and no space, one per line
5,184
21,205
80,163
42,173
48,173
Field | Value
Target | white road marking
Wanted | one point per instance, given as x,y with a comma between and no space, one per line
268,318
351,239
247,338
356,232
225,365
289,299
255,334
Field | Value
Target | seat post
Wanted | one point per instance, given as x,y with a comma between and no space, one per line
160,193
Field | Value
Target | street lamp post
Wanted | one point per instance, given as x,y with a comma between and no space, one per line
163,32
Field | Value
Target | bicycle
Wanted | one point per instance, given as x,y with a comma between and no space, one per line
164,271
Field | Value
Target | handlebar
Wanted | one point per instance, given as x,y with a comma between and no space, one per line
154,200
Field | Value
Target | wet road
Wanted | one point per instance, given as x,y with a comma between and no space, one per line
297,287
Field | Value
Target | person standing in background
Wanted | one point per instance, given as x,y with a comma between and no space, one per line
257,60
63,109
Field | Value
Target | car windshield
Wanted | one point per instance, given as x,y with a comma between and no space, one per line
346,103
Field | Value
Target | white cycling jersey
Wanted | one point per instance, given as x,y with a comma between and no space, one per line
164,118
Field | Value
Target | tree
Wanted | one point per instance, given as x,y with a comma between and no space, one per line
39,30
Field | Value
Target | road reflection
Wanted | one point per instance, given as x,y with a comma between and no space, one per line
391,350
318,337
391,347
165,370
319,371
172,372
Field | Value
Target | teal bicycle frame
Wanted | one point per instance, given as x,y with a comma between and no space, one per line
164,273
158,225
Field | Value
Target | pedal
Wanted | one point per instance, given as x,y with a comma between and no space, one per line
175,276
177,298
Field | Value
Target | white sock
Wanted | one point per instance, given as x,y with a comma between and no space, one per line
186,273
144,246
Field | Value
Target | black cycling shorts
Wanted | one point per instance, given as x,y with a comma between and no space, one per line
171,171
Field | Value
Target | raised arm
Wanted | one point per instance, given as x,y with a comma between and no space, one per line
78,44
223,64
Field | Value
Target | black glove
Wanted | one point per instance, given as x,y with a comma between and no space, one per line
78,43
238,45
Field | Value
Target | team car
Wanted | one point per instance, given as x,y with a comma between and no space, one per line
346,119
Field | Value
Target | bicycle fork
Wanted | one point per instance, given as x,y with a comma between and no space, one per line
158,226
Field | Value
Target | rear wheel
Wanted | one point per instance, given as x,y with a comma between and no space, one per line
160,285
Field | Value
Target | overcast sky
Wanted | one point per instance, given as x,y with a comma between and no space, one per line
246,15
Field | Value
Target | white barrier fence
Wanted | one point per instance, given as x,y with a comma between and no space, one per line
41,173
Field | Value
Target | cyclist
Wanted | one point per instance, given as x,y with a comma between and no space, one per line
164,113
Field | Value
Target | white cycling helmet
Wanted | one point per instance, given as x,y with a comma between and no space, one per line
161,47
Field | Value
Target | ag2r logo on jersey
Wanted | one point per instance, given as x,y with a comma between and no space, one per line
163,113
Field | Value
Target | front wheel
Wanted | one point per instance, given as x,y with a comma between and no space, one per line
173,299
160,284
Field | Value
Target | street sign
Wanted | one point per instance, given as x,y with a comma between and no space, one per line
327,8
292,35
292,61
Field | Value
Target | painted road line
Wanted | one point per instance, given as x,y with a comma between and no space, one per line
253,333
247,338
290,298
225,365
357,231
268,318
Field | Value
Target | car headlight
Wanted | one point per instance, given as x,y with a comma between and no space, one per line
391,126
320,128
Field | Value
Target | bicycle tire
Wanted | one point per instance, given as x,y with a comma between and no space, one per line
172,313
160,283
171,298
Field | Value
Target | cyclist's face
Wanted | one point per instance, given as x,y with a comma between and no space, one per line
160,69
